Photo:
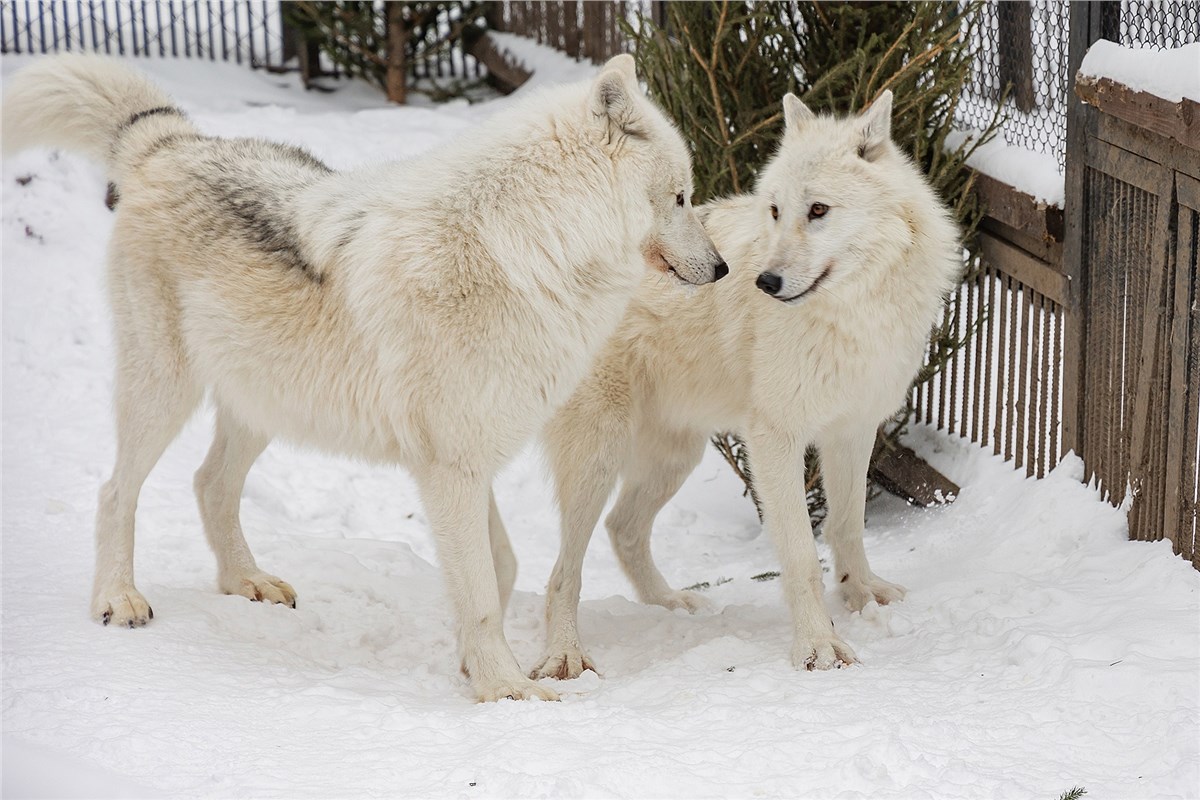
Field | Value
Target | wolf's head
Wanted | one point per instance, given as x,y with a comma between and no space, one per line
651,159
837,201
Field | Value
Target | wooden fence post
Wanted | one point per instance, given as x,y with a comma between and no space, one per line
397,41
1088,22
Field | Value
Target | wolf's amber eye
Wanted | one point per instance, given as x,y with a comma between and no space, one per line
774,212
817,210
679,199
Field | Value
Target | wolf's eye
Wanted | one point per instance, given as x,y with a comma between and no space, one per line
774,212
817,210
679,199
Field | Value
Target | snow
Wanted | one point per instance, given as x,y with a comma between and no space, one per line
1029,171
1170,74
546,64
1037,649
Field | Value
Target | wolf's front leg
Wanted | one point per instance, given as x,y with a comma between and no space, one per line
845,458
777,460
457,503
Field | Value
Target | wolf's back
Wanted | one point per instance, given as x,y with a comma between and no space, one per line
84,103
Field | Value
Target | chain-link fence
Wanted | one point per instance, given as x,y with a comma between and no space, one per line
1159,24
1022,50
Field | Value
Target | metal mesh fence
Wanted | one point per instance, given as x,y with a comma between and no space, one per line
1159,24
1022,48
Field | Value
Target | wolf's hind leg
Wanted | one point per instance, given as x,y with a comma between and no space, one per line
662,462
218,484
502,553
154,398
845,457
586,443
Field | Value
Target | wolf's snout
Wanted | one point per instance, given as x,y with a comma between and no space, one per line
769,282
721,270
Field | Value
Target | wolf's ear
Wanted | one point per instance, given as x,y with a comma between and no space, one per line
795,114
613,97
623,64
876,124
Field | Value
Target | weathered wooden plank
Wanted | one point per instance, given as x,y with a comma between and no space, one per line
989,277
1029,270
1176,514
902,472
1085,26
1141,455
1003,363
504,74
978,399
1145,142
1187,191
1019,210
1125,166
1191,419
1039,420
572,39
1016,56
1014,366
1058,319
1179,121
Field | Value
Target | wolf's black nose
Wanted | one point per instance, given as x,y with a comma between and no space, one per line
769,282
722,270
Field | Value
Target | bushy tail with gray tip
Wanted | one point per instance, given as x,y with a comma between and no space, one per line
90,104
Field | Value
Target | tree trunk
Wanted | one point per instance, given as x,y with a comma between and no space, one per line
397,43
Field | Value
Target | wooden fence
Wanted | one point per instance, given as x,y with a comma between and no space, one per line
1134,237
587,30
1087,323
249,31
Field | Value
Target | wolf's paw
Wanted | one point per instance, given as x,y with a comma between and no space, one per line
688,600
564,664
122,608
857,593
260,587
517,688
822,652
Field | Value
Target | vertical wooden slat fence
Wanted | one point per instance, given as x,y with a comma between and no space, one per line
1134,231
1088,326
584,30
1003,388
250,31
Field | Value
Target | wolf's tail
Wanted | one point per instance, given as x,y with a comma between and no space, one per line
89,104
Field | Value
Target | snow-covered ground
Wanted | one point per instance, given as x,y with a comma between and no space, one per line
1037,649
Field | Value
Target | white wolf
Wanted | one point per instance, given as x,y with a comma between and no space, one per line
840,260
430,313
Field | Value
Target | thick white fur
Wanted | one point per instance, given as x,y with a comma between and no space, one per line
823,369
430,313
